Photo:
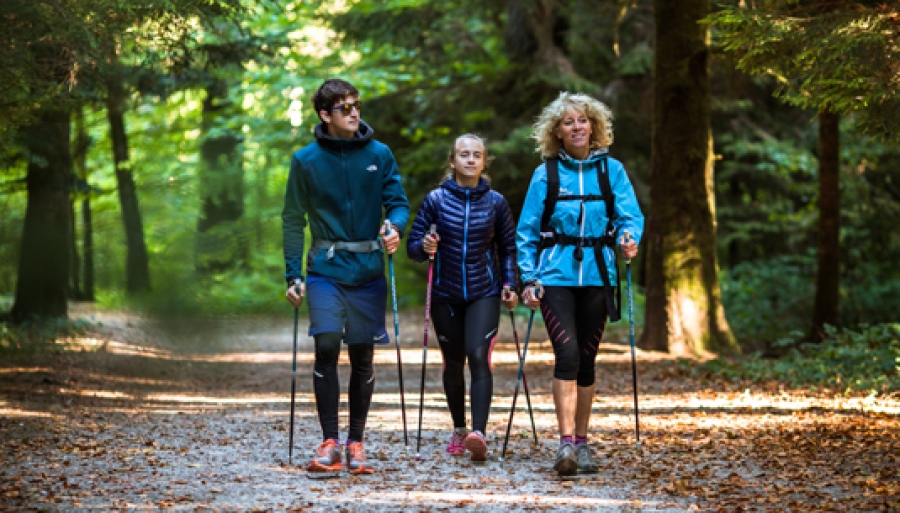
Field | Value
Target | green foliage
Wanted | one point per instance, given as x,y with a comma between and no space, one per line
840,56
767,299
38,336
866,359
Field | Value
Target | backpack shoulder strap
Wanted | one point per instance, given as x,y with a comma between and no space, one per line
552,166
606,191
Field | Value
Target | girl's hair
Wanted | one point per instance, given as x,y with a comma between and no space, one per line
600,116
488,158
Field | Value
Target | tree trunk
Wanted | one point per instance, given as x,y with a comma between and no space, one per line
684,306
137,271
222,240
828,255
74,261
87,229
43,276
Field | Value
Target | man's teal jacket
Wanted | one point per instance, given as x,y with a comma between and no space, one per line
344,188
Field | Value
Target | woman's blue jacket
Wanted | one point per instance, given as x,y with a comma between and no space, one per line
556,265
477,251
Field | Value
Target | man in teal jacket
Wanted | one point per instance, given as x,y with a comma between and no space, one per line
342,184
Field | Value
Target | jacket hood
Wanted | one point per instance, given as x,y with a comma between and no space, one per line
360,139
476,192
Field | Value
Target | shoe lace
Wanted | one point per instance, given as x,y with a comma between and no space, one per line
325,448
457,438
356,451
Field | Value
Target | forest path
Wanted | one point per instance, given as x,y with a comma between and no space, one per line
192,414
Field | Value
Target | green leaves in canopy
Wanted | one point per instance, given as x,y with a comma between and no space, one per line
842,56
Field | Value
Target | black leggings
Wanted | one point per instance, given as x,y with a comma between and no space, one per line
575,318
467,330
328,389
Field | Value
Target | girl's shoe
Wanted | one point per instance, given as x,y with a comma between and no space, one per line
476,445
456,447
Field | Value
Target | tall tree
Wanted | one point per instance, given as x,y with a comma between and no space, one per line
43,277
684,312
137,263
839,57
82,143
828,253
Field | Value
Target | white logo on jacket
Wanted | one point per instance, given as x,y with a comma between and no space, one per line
372,168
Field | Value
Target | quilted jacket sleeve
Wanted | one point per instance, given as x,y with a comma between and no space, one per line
505,240
425,217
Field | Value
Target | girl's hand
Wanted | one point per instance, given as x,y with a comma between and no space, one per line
430,243
509,298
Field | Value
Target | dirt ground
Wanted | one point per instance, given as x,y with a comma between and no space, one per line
192,414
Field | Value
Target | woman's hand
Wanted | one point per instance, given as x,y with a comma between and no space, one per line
629,248
430,243
532,295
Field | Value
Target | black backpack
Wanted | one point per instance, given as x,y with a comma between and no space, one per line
550,238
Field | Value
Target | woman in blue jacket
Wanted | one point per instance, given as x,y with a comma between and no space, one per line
568,244
475,258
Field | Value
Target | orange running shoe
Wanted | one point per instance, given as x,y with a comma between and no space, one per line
356,459
328,457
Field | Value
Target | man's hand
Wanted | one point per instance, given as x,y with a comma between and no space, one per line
532,295
391,241
509,298
295,294
629,248
430,243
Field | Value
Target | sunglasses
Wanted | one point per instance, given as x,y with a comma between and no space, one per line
347,108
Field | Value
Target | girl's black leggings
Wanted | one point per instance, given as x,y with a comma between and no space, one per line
327,387
575,318
467,331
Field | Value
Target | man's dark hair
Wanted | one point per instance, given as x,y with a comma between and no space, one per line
331,91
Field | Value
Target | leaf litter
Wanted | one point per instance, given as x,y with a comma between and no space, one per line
192,415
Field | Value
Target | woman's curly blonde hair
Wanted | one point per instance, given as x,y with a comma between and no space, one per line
544,132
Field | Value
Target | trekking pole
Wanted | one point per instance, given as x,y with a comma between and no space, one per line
431,233
293,383
637,414
387,231
512,409
512,319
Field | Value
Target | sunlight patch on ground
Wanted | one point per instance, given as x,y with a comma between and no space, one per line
763,401
12,412
472,499
104,394
265,399
16,370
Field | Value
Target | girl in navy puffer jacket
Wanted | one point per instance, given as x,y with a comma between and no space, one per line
475,258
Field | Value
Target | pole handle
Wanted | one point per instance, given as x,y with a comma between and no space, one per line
625,238
431,232
507,291
387,227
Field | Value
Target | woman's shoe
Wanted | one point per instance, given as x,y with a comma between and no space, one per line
566,460
586,463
